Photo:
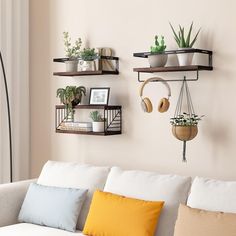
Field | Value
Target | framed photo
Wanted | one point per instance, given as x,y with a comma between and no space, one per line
99,96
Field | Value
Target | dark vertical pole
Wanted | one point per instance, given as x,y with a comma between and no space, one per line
9,117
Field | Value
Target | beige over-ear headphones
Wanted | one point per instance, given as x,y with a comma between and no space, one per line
146,103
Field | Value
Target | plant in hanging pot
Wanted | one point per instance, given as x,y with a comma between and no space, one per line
157,58
70,97
72,52
184,126
184,43
88,56
98,121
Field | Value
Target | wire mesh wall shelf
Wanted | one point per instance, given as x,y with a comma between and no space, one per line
112,122
194,68
100,71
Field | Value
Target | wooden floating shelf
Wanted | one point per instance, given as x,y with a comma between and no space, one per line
88,133
110,107
84,73
172,69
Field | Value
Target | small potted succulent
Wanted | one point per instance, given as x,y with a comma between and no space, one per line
185,43
70,97
98,121
72,52
184,126
157,58
88,56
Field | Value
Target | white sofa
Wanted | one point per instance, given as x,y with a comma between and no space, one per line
172,189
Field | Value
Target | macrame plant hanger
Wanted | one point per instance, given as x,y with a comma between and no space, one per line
184,100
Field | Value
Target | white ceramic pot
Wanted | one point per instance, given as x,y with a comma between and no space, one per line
185,59
98,126
158,60
87,65
71,66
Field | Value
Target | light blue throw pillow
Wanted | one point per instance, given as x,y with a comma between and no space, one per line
52,206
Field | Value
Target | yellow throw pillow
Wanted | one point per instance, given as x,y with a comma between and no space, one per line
197,222
115,215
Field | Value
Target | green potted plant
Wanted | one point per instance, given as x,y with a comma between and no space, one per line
98,121
70,97
72,52
184,42
87,56
157,58
184,126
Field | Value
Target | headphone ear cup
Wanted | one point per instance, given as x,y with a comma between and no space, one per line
163,105
147,105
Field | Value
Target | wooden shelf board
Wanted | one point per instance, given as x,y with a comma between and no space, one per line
172,68
110,107
88,133
84,73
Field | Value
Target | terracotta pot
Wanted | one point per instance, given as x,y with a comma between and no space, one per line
184,133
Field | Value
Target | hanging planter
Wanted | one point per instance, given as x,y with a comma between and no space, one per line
184,124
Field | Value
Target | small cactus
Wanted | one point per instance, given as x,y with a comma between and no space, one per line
159,45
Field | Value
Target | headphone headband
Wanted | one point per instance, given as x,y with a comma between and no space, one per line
155,79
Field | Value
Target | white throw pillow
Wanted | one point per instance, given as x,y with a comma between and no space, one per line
152,186
74,175
213,195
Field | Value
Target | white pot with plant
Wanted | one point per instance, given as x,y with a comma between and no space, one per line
70,97
184,43
87,62
98,121
72,52
157,58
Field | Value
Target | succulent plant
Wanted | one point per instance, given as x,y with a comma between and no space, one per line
159,45
181,40
185,119
88,54
96,116
72,52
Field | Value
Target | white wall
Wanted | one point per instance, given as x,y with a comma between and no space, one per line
127,27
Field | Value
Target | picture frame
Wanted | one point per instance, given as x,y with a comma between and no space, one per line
99,96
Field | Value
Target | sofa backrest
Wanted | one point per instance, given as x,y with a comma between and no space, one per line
152,186
74,175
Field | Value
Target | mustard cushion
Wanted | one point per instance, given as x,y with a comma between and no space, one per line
115,215
197,222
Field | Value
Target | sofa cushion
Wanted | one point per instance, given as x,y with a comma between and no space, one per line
112,214
25,229
196,222
52,206
213,195
171,189
74,175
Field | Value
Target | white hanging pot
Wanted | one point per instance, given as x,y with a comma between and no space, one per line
71,66
185,59
158,60
98,126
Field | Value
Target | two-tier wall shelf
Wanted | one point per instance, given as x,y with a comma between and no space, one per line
112,121
87,73
195,68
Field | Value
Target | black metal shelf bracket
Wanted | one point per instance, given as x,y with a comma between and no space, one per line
171,80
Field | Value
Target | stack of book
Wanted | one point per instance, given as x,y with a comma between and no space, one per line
76,126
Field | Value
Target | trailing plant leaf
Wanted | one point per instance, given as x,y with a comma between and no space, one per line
185,119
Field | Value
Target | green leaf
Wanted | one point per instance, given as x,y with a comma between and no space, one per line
189,35
195,38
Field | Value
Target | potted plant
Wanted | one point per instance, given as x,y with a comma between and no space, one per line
184,126
87,56
72,52
157,58
98,121
70,97
184,43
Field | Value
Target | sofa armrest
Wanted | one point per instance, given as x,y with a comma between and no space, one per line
11,198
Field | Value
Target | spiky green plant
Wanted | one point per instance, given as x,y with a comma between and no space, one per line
72,51
71,96
181,40
96,116
88,54
159,45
